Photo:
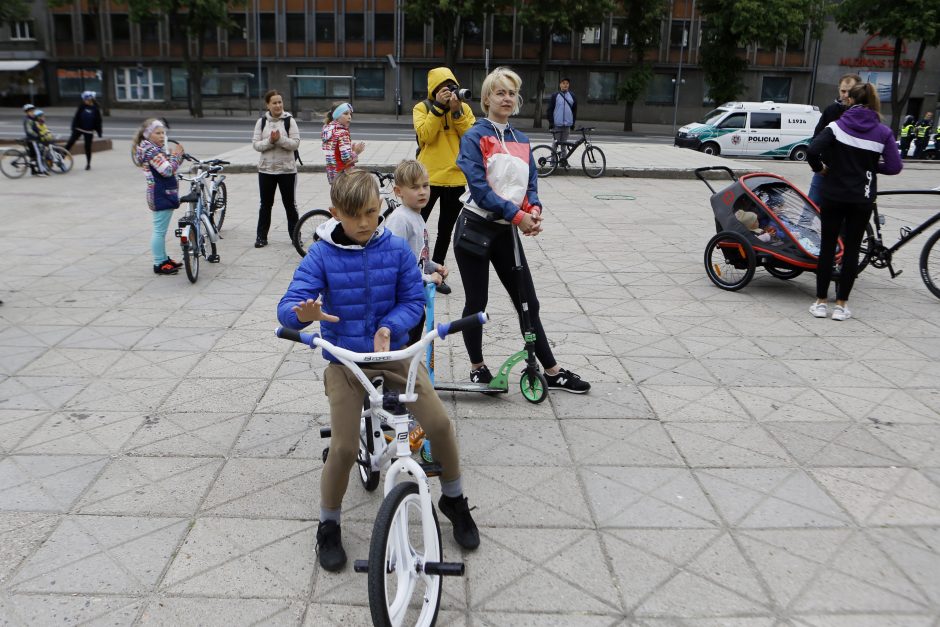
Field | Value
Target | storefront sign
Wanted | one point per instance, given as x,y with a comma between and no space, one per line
875,47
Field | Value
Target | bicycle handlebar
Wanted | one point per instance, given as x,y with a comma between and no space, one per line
384,177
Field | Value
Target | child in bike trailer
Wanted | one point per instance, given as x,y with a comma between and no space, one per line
33,140
363,285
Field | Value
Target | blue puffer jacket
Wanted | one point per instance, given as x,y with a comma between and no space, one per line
367,287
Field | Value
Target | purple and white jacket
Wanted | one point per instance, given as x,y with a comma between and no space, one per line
852,148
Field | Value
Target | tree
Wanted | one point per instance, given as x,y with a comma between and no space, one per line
643,27
449,17
94,9
196,18
730,23
557,16
913,21
13,10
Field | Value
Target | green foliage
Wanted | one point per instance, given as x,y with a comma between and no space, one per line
560,16
12,10
195,16
730,24
448,17
635,83
912,20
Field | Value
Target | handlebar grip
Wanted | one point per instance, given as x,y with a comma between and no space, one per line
296,336
458,326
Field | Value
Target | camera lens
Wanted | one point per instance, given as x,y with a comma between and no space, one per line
463,94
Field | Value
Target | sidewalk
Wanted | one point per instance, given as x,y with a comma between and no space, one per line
738,463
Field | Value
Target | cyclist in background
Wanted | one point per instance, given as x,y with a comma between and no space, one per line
33,140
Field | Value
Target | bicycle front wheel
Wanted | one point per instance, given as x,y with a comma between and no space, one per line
191,250
58,159
400,592
219,205
14,163
593,162
930,264
546,161
305,232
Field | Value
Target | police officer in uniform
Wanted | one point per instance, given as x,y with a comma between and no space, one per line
922,133
907,135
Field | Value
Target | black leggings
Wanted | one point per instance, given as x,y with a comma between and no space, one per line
89,138
267,184
849,219
450,209
475,274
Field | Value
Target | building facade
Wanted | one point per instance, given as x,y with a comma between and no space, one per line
371,52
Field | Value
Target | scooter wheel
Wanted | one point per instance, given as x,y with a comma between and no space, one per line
534,386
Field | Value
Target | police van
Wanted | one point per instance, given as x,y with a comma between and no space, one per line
753,129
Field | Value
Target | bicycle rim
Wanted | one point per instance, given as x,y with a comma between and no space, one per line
13,163
398,593
593,162
219,205
305,232
191,254
930,264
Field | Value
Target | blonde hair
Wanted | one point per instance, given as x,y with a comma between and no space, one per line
352,191
410,172
139,137
500,77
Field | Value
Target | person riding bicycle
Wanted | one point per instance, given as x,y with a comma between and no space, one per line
34,140
363,285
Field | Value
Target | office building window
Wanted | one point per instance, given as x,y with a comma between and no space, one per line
268,28
414,29
150,30
662,89
311,88
296,26
62,25
591,36
120,27
776,88
89,26
419,83
136,84
602,87
238,29
502,29
384,27
618,34
561,38
679,34
370,82
21,30
473,32
73,81
325,28
355,26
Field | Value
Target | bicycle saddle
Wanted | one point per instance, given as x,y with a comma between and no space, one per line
190,197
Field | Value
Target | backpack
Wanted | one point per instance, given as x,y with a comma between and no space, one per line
427,105
264,121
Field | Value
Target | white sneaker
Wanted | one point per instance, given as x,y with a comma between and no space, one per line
819,310
841,313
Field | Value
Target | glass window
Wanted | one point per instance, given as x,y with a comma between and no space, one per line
62,25
530,35
797,45
120,27
178,88
502,29
73,81
384,26
679,34
137,84
476,82
355,26
370,82
268,28
735,120
296,26
776,88
618,34
591,35
602,86
89,26
21,30
767,121
325,28
253,88
561,38
150,30
473,32
419,83
309,88
662,89
414,29
239,27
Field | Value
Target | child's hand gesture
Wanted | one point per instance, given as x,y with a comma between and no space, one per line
358,147
382,340
312,310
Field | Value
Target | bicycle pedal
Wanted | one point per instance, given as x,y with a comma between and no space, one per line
432,470
445,569
361,566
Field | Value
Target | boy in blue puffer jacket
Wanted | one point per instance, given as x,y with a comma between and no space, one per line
368,280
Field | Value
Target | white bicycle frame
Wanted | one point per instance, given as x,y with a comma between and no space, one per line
201,214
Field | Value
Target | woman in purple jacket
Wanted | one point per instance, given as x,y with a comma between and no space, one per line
849,154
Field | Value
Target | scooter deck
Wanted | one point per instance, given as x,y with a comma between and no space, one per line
469,387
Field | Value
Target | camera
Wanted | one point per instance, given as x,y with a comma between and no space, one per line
463,94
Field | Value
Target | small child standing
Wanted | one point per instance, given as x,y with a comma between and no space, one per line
368,281
413,187
341,154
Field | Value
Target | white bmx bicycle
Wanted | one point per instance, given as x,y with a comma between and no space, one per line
404,564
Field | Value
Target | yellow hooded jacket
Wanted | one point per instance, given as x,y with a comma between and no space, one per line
439,133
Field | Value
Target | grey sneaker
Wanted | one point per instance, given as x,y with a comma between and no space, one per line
819,310
841,313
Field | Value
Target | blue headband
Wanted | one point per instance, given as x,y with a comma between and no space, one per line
341,109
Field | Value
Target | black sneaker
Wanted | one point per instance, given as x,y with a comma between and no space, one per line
481,375
443,288
458,513
567,381
260,242
165,268
173,263
330,546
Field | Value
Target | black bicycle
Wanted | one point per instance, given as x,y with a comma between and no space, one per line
548,158
305,231
875,253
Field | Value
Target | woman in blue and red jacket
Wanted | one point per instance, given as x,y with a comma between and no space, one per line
503,191
849,154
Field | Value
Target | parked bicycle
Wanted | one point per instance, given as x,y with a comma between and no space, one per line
15,162
549,158
216,192
305,231
196,228
404,565
874,252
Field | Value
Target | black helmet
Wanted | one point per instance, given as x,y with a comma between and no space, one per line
909,119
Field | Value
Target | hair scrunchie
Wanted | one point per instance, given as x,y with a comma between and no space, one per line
341,109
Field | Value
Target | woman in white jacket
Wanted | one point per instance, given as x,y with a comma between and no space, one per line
276,137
